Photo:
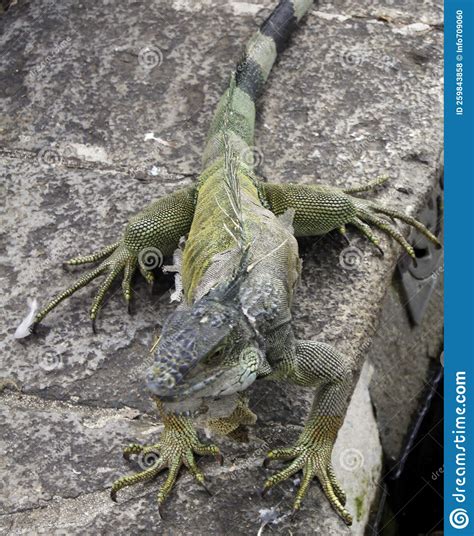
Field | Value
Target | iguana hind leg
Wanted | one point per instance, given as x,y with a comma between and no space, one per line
318,365
320,209
151,234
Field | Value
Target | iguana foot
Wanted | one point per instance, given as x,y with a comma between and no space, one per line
320,209
149,236
235,425
179,443
314,460
370,213
115,259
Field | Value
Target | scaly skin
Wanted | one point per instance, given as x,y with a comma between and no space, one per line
158,227
177,447
240,268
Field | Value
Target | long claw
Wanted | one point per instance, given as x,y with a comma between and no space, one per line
407,219
160,512
293,468
208,491
336,486
82,282
367,231
305,482
369,186
284,454
168,484
142,476
94,257
147,274
177,447
314,461
130,266
390,230
343,232
195,471
209,450
116,258
368,212
107,283
333,499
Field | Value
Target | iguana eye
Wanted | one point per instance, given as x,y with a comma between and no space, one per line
214,356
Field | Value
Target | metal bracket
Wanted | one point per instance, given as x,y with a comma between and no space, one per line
419,277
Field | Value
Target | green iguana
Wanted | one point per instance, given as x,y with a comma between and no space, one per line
240,266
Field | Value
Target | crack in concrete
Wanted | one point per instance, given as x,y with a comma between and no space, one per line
391,22
44,506
35,402
25,155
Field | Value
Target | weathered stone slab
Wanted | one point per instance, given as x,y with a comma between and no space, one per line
403,357
71,91
68,211
58,459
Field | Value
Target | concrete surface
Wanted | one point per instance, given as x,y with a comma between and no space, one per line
105,107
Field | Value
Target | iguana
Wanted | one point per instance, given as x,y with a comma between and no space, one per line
239,269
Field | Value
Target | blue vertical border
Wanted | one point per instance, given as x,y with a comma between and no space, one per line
459,268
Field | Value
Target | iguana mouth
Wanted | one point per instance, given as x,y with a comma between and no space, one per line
168,390
203,384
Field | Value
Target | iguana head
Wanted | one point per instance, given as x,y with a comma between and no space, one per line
201,351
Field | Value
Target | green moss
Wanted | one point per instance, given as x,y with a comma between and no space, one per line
359,501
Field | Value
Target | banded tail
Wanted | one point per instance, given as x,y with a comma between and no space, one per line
235,114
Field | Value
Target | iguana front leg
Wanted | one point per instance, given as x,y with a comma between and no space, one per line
316,364
177,447
152,233
235,425
320,209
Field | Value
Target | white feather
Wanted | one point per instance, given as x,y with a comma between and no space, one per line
23,330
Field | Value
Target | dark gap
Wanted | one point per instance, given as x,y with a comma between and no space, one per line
412,501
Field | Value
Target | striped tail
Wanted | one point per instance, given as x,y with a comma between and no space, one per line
234,118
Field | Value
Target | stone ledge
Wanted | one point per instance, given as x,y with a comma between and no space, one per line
336,110
59,459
